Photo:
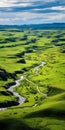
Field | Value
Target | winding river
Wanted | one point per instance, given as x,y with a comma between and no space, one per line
11,89
17,83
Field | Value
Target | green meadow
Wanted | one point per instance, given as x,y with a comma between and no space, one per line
21,51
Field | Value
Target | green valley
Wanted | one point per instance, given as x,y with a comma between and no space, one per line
39,56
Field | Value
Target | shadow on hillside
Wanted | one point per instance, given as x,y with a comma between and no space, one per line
14,124
47,113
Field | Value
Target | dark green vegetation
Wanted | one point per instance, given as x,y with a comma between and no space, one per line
44,89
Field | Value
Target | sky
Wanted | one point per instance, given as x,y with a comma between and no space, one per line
18,12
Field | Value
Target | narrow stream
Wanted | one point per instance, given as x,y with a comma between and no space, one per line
37,67
11,89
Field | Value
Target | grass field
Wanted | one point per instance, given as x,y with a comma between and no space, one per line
44,89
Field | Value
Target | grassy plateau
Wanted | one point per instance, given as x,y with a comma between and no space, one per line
22,52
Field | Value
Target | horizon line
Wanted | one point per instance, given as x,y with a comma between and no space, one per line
30,24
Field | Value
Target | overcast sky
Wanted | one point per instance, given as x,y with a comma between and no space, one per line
31,11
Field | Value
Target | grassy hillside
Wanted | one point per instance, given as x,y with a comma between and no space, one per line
44,88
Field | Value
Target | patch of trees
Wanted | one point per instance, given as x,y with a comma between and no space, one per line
33,40
4,75
58,39
6,93
34,47
21,61
8,103
9,85
24,37
29,50
59,44
62,50
10,40
55,40
21,54
19,72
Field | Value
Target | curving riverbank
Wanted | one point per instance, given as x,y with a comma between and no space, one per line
11,89
37,67
21,99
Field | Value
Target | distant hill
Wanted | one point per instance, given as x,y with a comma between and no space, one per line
34,26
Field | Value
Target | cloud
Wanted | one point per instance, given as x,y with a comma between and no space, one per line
62,8
29,18
58,8
24,3
31,11
55,9
13,3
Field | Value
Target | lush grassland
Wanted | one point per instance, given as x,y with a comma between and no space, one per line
44,90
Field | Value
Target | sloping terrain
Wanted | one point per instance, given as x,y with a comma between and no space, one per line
39,56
